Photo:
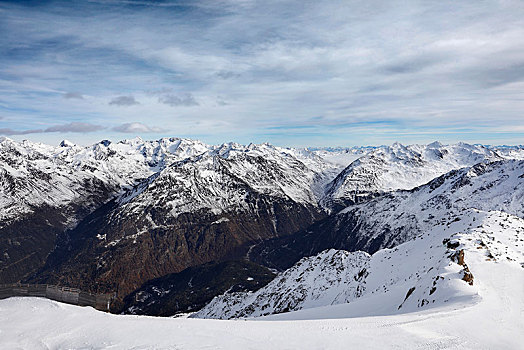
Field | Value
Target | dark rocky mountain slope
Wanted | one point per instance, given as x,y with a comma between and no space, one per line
206,208
194,287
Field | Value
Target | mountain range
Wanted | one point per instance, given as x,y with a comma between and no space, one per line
142,219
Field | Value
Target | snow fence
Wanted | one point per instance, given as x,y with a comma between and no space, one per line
58,293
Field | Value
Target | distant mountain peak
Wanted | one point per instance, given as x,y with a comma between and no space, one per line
435,144
66,143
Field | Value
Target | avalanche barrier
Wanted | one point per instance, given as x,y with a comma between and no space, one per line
58,293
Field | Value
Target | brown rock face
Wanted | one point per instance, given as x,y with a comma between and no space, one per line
26,243
459,258
468,276
103,256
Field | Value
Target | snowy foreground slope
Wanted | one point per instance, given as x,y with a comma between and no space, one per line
495,321
486,315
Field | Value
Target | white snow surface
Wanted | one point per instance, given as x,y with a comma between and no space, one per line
510,152
487,315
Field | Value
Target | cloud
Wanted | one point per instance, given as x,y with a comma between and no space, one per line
9,131
411,64
221,102
174,100
131,128
137,3
224,74
124,101
76,127
70,95
278,63
160,91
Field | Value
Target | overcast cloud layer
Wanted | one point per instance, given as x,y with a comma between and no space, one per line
288,72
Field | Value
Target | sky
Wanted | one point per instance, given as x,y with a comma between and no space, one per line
292,73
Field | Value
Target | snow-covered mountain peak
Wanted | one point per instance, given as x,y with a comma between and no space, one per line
214,179
397,147
137,140
400,167
66,143
435,144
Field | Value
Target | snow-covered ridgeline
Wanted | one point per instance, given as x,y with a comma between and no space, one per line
432,270
402,215
396,167
467,202
35,174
